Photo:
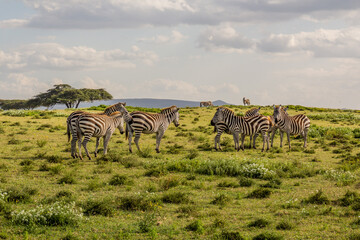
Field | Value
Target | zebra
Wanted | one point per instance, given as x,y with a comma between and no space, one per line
246,101
206,104
250,113
143,122
90,125
226,118
71,123
298,124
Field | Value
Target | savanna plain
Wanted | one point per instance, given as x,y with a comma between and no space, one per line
188,190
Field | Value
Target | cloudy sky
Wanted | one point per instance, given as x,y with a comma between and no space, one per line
303,52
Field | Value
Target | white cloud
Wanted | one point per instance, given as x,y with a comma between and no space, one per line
56,56
90,14
13,23
21,86
340,43
175,37
224,39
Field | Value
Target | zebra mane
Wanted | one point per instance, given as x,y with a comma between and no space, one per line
226,109
116,104
172,108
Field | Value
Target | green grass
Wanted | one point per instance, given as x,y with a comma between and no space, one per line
188,190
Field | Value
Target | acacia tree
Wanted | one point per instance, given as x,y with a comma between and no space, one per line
71,97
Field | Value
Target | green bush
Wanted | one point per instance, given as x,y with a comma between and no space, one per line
56,214
98,207
259,223
259,193
175,197
196,226
227,235
284,225
221,200
138,202
267,236
118,180
317,198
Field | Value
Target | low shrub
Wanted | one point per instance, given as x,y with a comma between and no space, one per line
67,179
56,214
118,180
98,207
137,202
245,182
267,236
317,198
228,235
196,226
284,225
259,193
175,197
221,200
259,223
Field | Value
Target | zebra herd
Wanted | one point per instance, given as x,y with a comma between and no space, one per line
82,126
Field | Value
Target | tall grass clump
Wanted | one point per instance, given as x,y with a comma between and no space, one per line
102,207
232,168
342,178
317,198
56,214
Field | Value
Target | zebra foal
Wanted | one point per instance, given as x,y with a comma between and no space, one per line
298,124
71,123
143,122
206,104
225,118
89,125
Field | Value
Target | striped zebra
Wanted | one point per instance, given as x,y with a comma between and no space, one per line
90,125
226,118
246,101
71,123
298,124
143,122
206,104
250,113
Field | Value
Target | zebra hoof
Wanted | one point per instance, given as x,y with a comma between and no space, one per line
130,150
157,150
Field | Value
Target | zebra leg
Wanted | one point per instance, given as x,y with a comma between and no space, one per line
305,137
136,140
217,140
84,143
288,137
254,143
97,145
242,141
73,147
236,140
264,139
106,142
281,138
79,146
159,135
273,132
251,137
130,139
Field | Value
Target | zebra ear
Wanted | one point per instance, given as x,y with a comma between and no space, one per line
124,103
286,108
177,109
274,106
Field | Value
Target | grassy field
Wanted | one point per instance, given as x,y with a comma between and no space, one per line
188,191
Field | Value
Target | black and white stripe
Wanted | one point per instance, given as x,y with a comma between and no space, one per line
72,118
143,122
222,127
298,124
226,119
89,125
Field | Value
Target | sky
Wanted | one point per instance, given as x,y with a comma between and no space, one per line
300,52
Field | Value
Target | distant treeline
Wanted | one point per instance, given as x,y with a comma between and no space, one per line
59,94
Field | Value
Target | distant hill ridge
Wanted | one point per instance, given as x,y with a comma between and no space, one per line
146,102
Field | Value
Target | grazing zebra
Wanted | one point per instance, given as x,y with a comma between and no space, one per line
246,101
298,124
143,122
206,104
226,118
71,123
90,125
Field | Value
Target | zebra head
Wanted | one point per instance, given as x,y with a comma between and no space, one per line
176,118
218,117
279,112
120,124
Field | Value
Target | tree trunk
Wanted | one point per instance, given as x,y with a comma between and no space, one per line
77,105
